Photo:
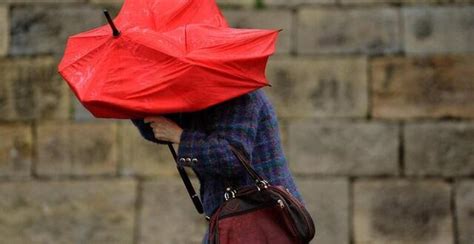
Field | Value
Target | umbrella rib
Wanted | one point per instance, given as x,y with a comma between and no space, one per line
85,55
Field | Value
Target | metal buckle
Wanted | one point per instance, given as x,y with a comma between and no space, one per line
232,192
262,183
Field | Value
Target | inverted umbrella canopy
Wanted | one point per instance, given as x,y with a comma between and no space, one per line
143,72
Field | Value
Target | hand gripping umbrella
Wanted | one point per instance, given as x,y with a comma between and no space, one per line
148,65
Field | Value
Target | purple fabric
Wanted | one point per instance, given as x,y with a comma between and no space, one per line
247,122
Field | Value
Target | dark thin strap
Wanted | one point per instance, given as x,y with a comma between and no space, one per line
245,162
187,182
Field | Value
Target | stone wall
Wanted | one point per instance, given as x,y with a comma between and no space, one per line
375,100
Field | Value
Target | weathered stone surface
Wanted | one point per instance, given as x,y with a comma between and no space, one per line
80,112
293,3
30,88
343,148
168,215
444,29
4,29
465,211
439,149
142,157
264,19
237,3
372,30
41,1
35,29
318,87
394,1
438,86
15,150
77,149
328,203
398,211
67,212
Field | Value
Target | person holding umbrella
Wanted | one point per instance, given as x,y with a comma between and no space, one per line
183,76
248,122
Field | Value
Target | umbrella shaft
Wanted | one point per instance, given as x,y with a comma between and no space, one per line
111,23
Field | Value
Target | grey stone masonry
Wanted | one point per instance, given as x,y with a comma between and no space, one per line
318,87
423,87
16,142
294,3
30,88
393,1
331,30
168,214
401,211
342,148
141,157
465,211
67,212
4,29
264,19
443,29
439,149
328,203
87,148
42,29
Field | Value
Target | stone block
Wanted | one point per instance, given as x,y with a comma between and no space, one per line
328,203
84,148
331,30
4,29
168,214
15,150
465,211
399,211
236,3
31,88
442,29
295,3
394,1
343,148
80,112
40,1
318,87
142,157
439,149
35,29
264,19
67,212
420,87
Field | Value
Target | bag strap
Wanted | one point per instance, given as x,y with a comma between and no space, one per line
187,183
189,187
245,162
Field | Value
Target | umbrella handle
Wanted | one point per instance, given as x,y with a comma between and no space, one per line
187,182
116,32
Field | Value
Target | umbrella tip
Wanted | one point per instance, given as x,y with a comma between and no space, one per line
115,31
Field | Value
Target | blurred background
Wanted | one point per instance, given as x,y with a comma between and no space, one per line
375,100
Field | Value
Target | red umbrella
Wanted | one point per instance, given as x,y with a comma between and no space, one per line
141,71
165,56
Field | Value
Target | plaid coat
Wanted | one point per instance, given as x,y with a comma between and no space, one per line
249,123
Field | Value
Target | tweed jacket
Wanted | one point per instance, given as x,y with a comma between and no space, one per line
247,122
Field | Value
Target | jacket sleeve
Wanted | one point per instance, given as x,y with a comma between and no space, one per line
146,131
235,123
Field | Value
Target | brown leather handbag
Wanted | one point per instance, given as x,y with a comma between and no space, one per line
260,213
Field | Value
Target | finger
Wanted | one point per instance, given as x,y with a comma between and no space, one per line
151,119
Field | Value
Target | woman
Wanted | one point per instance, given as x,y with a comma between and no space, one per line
248,122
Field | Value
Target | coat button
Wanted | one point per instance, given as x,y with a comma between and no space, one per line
194,160
182,160
188,160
